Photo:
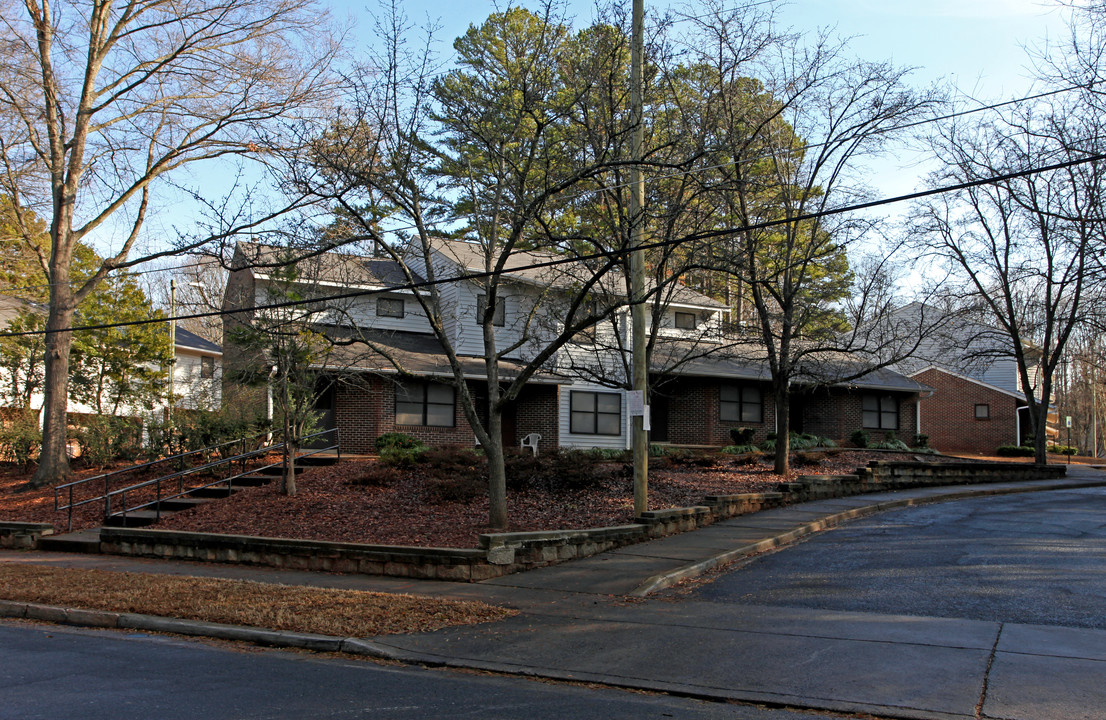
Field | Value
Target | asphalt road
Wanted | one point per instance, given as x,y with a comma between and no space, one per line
61,672
1036,558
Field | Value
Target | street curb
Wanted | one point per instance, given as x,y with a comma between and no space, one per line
667,579
104,619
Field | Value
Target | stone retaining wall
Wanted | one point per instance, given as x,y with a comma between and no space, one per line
503,553
23,535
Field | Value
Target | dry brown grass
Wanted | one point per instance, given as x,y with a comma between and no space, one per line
342,613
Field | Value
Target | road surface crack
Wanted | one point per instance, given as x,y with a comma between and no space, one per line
987,674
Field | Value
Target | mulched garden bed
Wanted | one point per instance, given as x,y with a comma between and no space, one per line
409,508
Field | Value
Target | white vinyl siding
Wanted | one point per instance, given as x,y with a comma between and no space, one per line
568,438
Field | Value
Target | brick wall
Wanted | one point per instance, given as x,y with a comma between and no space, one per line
948,416
694,413
837,413
365,409
536,412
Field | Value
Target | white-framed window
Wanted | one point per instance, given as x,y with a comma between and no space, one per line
499,315
741,403
425,403
880,412
587,309
207,367
982,411
595,413
686,320
389,307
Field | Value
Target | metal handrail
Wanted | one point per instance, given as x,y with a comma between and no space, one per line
179,475
106,478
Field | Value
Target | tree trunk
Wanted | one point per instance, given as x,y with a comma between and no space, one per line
53,462
1040,436
783,435
497,468
289,485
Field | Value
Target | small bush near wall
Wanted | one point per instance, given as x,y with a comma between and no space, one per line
740,449
859,438
890,442
742,436
1062,449
104,439
564,469
398,440
20,439
1015,451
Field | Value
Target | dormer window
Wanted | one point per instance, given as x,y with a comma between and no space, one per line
686,320
499,317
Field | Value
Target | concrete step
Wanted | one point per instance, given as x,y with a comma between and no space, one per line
254,480
215,491
279,470
317,460
136,518
82,541
182,503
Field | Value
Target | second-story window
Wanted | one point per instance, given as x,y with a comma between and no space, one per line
686,320
588,309
499,316
389,307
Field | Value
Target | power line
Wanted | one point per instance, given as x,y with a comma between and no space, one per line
617,186
130,273
600,255
844,139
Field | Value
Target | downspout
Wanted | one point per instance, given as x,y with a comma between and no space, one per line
269,404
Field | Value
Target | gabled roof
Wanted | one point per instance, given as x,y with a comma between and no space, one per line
329,268
10,307
418,354
192,341
470,258
749,361
968,378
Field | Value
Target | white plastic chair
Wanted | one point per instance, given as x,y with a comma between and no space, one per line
531,441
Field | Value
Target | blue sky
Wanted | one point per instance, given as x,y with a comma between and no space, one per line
976,44
979,46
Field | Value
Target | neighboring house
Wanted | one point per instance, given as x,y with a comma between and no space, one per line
398,378
197,372
977,403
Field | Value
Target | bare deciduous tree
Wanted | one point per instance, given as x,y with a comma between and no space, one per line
1023,249
100,100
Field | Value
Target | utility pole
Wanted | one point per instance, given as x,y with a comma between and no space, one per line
172,347
637,259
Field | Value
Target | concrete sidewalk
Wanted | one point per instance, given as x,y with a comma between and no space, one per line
586,621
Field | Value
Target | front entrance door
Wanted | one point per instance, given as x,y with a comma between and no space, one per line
325,401
795,414
658,419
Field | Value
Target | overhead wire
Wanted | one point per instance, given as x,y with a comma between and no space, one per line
599,255
617,186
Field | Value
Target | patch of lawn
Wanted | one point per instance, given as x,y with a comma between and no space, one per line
342,613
